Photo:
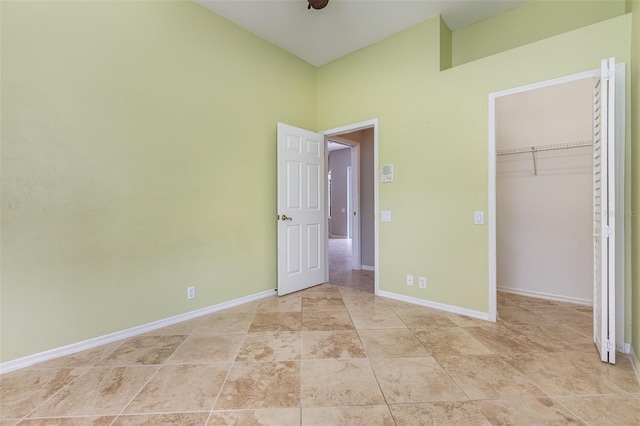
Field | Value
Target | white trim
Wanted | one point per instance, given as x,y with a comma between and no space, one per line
368,268
491,213
354,127
350,204
595,73
493,257
339,237
435,305
547,296
633,356
625,348
356,224
29,360
376,243
620,159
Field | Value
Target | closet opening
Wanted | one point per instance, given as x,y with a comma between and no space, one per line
543,193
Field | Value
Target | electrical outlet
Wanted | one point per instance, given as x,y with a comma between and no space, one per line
409,279
191,292
422,282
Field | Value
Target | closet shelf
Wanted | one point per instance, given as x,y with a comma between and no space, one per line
539,148
532,150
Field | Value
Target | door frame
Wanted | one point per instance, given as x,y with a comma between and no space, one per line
350,190
620,141
335,133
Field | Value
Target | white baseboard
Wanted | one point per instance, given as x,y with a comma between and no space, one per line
29,360
626,348
368,268
635,362
548,296
435,305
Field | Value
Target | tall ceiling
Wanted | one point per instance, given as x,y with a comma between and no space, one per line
344,26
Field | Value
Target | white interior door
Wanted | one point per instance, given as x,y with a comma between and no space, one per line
301,212
604,193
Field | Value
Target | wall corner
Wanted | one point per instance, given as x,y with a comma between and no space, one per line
446,54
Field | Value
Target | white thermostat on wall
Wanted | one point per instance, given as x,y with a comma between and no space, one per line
387,173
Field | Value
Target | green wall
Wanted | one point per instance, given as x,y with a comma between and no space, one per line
529,23
635,180
138,155
434,129
138,158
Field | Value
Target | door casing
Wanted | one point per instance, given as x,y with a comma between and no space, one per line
335,133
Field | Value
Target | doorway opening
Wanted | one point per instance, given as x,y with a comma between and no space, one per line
544,192
541,194
351,243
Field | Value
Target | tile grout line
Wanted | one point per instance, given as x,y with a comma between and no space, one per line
122,342
571,411
233,362
87,369
384,396
83,416
301,359
441,366
159,366
150,378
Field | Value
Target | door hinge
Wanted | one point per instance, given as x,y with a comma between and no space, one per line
609,346
608,231
609,74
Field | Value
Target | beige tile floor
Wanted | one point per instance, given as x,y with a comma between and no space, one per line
340,272
335,356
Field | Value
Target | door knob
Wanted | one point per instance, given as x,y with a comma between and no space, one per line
285,217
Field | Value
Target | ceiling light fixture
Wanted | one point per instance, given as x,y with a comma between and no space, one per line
317,4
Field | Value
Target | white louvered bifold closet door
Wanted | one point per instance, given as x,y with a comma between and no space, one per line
604,213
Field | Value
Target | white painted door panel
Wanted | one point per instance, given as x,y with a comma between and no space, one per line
301,213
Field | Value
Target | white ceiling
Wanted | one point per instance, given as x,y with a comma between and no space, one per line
344,26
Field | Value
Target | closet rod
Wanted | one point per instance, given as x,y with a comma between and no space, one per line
553,147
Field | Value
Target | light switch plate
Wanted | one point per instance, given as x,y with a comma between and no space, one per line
478,217
422,282
386,216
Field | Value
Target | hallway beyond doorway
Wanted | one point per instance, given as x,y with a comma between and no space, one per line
340,272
